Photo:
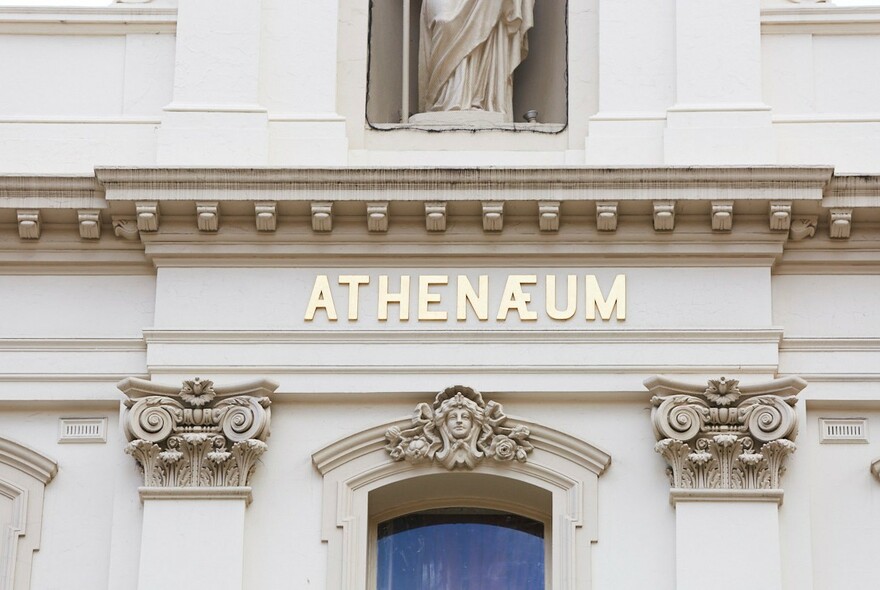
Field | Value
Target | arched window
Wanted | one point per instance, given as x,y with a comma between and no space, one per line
460,548
549,501
24,474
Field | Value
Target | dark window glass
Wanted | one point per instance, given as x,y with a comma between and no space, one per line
460,549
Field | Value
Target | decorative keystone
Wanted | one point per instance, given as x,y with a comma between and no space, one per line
780,215
722,215
266,215
606,216
377,217
548,215
322,216
459,430
197,435
147,215
435,216
208,216
29,224
89,223
725,436
493,216
664,215
840,223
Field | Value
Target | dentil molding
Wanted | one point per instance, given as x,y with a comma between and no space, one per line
196,435
724,436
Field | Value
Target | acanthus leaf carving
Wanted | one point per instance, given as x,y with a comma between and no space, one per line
724,437
459,430
196,436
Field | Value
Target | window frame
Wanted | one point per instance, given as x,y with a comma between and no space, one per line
565,466
483,502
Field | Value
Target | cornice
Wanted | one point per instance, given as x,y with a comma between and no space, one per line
856,191
820,19
434,179
361,336
797,217
115,19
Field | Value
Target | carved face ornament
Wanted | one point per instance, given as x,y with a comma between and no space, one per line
459,422
460,430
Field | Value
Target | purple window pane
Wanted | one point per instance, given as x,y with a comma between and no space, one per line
460,549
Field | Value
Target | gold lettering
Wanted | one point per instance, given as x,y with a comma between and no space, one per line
322,298
426,297
571,306
616,296
515,298
402,298
354,282
479,301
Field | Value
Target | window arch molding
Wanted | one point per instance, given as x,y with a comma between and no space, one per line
562,465
24,474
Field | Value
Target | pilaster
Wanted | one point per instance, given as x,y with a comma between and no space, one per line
215,117
636,71
198,446
719,115
726,447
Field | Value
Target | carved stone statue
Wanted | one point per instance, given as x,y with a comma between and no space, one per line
468,52
459,430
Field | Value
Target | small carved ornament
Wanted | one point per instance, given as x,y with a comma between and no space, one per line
459,430
196,437
724,439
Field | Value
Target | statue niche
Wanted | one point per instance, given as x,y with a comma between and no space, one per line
468,51
467,64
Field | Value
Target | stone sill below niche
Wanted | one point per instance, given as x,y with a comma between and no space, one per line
549,128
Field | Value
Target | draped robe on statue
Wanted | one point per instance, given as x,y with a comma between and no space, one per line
468,52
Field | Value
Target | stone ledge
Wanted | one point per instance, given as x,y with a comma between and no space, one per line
197,493
677,495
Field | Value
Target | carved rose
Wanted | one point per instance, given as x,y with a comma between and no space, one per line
723,392
417,449
503,448
197,392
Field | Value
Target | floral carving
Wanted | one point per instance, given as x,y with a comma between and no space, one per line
724,438
197,436
197,392
459,430
723,391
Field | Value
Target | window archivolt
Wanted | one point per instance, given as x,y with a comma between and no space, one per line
364,486
24,474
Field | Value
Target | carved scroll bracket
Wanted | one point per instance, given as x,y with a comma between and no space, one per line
724,436
459,430
197,435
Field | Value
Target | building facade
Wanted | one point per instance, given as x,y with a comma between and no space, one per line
258,323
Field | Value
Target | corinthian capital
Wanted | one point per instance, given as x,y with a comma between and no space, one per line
196,435
723,435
